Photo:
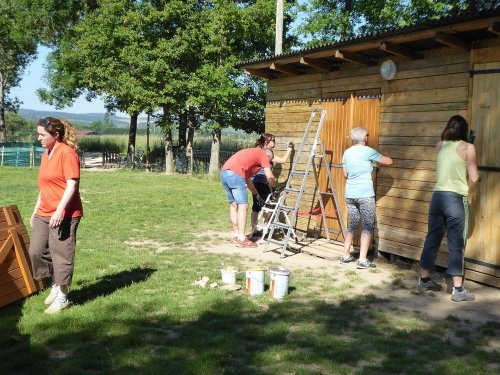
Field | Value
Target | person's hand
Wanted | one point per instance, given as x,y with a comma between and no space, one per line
260,201
55,220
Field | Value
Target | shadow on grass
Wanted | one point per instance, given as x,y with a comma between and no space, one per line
235,336
110,284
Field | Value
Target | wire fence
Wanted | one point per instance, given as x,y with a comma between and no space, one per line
20,154
185,161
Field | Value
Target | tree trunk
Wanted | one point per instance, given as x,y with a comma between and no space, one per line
182,129
213,169
169,152
3,127
131,137
191,126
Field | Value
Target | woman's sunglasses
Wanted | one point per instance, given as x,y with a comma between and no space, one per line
44,122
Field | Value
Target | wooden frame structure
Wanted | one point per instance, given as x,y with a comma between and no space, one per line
444,67
16,279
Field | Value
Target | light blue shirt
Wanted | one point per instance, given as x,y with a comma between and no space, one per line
357,160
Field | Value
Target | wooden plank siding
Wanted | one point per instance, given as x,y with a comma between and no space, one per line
16,281
414,108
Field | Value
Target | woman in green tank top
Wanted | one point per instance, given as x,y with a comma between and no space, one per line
448,207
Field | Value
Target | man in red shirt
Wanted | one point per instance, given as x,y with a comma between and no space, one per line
236,176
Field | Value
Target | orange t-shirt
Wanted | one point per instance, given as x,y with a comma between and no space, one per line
63,165
247,162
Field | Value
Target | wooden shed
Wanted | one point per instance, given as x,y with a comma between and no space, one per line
444,67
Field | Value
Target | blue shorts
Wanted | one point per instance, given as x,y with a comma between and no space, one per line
235,187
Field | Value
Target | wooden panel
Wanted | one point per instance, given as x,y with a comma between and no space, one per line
484,198
458,94
341,118
426,83
16,280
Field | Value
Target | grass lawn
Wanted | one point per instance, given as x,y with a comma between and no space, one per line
134,310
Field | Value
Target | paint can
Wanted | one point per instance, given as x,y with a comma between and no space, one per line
255,281
279,282
228,276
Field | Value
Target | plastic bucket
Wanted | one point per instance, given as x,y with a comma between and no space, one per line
228,276
255,281
279,282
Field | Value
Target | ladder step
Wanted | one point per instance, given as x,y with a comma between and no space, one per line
280,225
285,208
297,174
290,190
277,242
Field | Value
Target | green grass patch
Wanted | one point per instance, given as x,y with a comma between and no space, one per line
141,244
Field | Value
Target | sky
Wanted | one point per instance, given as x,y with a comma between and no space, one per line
33,80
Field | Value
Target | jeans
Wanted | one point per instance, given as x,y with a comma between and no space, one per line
447,213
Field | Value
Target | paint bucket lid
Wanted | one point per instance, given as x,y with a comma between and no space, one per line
280,271
255,267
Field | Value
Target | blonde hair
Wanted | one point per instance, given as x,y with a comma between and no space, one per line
69,135
66,132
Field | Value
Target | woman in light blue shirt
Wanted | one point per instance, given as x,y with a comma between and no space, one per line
359,194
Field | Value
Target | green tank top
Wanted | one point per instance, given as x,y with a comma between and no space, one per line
451,170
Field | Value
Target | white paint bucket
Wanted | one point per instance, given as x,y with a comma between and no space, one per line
228,276
279,282
255,281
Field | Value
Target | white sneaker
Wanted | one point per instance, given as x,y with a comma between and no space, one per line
54,291
60,303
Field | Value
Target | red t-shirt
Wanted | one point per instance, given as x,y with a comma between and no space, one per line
247,162
63,165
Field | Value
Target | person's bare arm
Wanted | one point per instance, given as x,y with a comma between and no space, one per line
251,186
345,172
284,158
69,192
270,177
385,160
471,161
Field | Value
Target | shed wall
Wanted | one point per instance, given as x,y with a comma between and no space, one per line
414,109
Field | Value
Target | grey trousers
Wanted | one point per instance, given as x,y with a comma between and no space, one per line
52,251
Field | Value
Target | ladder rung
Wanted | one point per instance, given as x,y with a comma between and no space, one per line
277,242
280,225
290,190
285,208
297,173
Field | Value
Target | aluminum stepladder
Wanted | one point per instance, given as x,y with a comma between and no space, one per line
310,156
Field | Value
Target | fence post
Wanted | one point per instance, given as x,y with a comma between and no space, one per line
189,154
17,156
31,157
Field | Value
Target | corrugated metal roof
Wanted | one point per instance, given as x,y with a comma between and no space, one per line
444,21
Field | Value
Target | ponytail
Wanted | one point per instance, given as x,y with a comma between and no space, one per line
69,135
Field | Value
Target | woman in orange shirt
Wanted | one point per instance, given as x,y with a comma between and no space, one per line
57,211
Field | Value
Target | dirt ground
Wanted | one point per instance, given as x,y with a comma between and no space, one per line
395,281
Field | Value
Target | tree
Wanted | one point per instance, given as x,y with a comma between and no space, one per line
327,21
234,31
18,129
18,42
104,54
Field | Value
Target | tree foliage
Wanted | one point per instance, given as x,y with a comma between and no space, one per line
332,20
177,56
18,42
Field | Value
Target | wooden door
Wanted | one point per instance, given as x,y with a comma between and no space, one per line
341,117
483,245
